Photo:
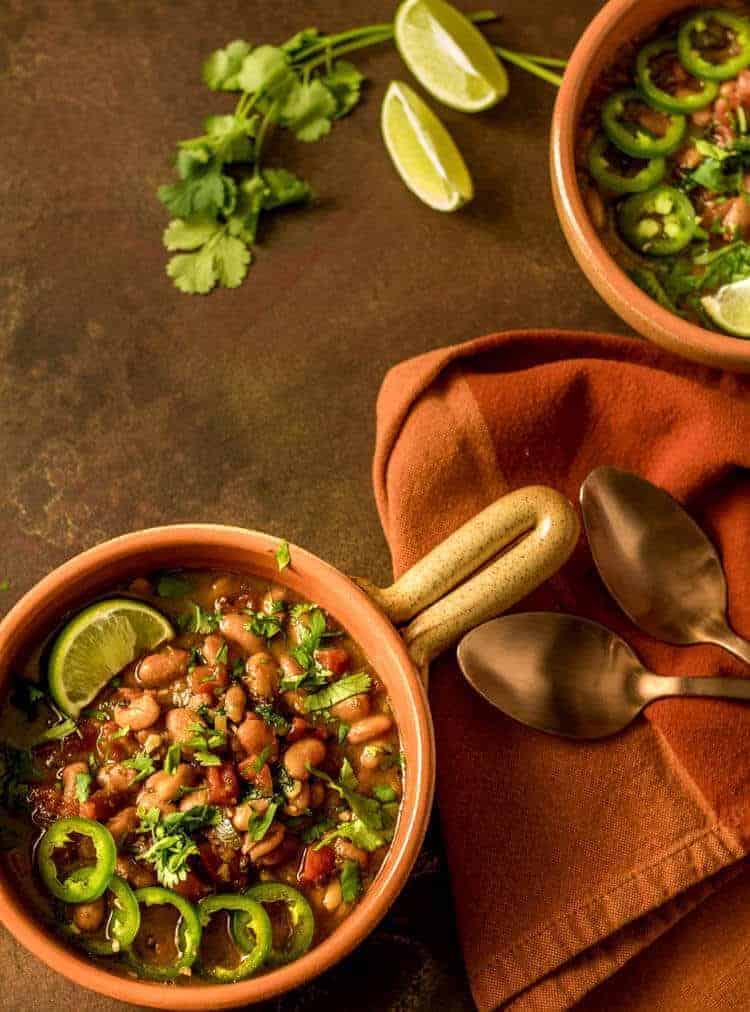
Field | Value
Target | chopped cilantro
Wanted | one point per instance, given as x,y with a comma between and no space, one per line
263,624
273,718
58,731
351,885
207,758
172,758
238,670
373,822
143,764
260,760
384,793
120,733
283,558
330,695
196,620
222,654
171,842
260,824
82,786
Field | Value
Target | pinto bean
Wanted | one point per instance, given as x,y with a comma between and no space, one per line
299,803
89,916
244,813
270,842
233,625
352,709
114,777
262,675
261,778
317,794
138,711
125,822
294,700
596,209
141,586
212,647
162,788
137,874
181,724
160,669
69,774
332,897
303,753
346,851
205,678
368,728
254,735
235,702
194,799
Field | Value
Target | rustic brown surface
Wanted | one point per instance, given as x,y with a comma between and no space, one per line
124,403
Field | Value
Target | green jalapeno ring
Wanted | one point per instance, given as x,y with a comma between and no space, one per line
607,175
122,925
633,139
665,100
659,222
256,930
700,67
300,915
84,884
188,932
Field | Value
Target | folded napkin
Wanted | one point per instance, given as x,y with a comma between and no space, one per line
568,859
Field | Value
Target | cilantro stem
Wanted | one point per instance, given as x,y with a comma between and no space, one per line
264,128
544,61
527,64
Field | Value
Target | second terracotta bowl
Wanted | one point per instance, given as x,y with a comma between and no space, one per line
540,526
617,24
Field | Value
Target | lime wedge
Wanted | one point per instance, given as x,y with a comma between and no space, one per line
448,56
729,308
98,643
423,151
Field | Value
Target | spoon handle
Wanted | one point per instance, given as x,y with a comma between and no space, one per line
733,643
653,687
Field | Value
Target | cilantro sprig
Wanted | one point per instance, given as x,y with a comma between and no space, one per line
223,188
172,843
373,821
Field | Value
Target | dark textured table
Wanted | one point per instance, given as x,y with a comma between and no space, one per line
125,404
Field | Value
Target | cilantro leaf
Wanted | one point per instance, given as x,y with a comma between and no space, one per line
243,222
384,793
189,234
265,69
171,843
196,620
260,824
358,832
271,717
231,260
264,625
202,188
303,40
330,695
193,273
344,82
308,109
173,757
221,68
283,558
351,885
283,188
229,137
143,764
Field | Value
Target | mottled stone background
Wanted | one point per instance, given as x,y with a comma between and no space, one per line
124,403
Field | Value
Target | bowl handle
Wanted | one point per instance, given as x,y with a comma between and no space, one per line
538,528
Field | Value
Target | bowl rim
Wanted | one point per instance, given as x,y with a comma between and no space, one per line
416,804
608,278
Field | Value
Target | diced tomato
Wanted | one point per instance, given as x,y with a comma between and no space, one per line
336,659
205,678
316,865
192,887
223,786
262,779
101,805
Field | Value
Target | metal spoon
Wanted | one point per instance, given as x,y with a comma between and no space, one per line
656,561
568,676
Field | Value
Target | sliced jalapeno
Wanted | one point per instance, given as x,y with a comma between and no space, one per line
619,172
632,136
188,934
714,44
256,930
122,924
659,222
659,97
84,884
300,916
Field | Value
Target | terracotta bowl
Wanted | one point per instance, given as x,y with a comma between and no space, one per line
539,529
619,22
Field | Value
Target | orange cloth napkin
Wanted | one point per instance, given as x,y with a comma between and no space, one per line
568,859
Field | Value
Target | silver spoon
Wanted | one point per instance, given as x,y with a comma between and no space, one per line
656,561
568,676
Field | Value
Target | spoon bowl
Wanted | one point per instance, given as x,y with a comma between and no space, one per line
569,676
656,561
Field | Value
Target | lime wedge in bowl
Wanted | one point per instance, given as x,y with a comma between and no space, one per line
729,308
449,56
423,151
98,643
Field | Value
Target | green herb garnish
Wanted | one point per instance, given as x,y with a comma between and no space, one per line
171,842
351,884
82,786
330,695
143,764
283,558
170,585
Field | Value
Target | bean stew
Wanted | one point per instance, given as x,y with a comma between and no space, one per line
663,160
216,805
